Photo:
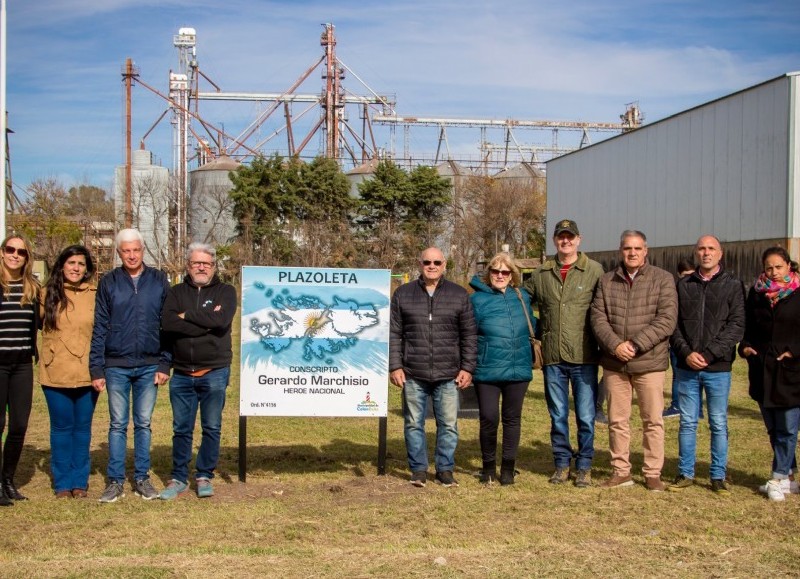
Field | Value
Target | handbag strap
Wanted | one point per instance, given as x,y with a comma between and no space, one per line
525,311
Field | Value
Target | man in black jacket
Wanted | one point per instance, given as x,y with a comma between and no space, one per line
710,324
197,317
433,350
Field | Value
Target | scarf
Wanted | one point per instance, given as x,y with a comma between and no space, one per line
775,291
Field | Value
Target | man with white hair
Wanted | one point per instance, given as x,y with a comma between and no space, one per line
127,359
197,318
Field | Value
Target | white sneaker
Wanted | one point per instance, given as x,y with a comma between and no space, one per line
774,490
789,487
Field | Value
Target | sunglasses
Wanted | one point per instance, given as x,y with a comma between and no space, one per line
20,251
436,262
500,272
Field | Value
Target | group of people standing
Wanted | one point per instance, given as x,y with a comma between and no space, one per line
625,321
123,337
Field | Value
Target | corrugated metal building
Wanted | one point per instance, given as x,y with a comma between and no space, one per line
729,167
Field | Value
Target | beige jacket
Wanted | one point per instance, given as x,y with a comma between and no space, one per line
644,313
64,356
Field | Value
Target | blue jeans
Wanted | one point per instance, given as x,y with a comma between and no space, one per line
782,425
445,410
717,386
120,382
71,411
557,378
186,394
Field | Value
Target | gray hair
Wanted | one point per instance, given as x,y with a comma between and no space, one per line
202,248
128,236
631,233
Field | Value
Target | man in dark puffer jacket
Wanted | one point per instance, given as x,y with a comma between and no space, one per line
710,324
432,353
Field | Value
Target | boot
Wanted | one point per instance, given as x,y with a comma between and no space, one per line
11,491
507,472
4,500
489,472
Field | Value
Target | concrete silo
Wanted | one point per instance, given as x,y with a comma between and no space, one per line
149,204
210,205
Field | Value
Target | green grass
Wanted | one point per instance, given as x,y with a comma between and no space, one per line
313,506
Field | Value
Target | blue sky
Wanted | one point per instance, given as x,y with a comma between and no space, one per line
524,59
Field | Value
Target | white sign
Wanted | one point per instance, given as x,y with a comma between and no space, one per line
315,342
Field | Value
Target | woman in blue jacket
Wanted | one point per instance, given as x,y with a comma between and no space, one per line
504,362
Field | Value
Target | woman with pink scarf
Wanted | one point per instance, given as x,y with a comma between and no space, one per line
771,346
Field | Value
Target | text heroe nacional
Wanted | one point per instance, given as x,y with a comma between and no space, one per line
315,381
332,277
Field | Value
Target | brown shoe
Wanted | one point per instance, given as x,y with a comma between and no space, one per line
79,493
618,481
64,495
654,483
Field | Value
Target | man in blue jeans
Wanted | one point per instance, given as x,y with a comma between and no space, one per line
563,289
127,359
711,322
197,319
433,350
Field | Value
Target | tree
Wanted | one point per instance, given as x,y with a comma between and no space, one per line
89,203
43,220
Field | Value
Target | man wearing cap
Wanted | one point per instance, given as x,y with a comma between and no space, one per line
563,288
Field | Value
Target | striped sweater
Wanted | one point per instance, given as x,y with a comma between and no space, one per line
16,327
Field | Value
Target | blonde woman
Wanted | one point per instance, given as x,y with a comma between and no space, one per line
504,362
19,317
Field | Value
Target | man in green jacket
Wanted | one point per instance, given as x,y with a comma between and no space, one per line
563,289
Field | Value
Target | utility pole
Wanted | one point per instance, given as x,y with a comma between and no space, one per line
3,120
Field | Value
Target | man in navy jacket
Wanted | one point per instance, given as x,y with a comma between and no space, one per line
128,360
197,318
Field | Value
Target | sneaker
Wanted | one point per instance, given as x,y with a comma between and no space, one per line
204,488
113,492
600,417
671,412
719,487
681,482
173,490
618,481
789,487
655,484
145,489
418,478
774,490
445,478
584,478
560,476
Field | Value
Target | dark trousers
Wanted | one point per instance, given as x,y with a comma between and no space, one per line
490,411
16,395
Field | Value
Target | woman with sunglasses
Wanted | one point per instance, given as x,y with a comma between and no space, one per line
19,317
504,362
68,315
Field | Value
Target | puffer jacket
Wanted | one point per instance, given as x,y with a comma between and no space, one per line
504,347
644,312
64,355
564,310
771,332
432,338
710,320
127,322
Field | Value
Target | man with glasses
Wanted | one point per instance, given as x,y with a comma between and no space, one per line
432,353
197,318
128,360
563,288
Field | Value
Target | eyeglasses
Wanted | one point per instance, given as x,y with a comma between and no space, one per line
500,272
199,264
436,262
20,251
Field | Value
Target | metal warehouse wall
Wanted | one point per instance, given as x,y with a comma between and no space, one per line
728,167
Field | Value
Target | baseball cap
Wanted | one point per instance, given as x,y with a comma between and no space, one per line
566,225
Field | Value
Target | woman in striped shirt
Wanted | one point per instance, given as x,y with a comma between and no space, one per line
18,325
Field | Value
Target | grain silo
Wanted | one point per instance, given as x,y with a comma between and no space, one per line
149,204
210,205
